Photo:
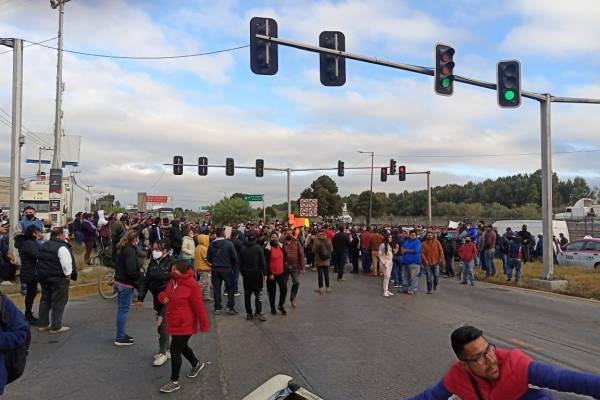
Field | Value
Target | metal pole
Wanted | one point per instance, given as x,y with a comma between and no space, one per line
546,142
56,161
289,190
15,156
264,210
429,220
371,191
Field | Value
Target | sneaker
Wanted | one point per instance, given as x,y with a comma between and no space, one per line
386,294
260,317
429,292
6,283
294,304
33,321
60,330
170,387
44,328
410,292
435,287
249,317
123,342
231,311
282,310
238,294
217,312
328,290
390,293
160,359
472,283
196,370
273,312
320,290
396,286
462,283
130,338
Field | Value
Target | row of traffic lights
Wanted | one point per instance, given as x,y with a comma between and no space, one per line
508,77
384,171
264,61
229,166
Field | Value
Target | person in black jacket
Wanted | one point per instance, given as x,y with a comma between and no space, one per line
449,246
156,280
254,271
29,249
127,277
223,258
341,245
176,237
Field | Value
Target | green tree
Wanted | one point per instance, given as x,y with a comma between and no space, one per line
361,206
325,190
232,211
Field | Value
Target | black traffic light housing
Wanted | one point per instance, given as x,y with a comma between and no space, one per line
340,168
177,165
392,167
202,166
333,68
263,54
444,69
229,167
509,83
260,168
384,174
402,173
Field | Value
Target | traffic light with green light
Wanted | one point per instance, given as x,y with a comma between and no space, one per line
509,83
444,69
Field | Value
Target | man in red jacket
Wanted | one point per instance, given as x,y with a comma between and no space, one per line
484,372
467,253
185,316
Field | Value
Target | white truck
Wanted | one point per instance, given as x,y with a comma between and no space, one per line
585,207
534,226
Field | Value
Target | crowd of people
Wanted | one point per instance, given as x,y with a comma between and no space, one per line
185,264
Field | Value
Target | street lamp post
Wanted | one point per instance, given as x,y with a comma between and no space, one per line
372,153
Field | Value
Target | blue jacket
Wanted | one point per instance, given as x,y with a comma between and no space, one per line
222,254
12,336
541,375
37,222
412,257
474,234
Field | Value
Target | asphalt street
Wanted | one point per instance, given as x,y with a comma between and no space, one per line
350,344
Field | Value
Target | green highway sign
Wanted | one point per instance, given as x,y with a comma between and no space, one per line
253,197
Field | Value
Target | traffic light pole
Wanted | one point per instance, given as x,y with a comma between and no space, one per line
544,99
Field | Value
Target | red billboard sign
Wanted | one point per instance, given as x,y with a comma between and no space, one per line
157,199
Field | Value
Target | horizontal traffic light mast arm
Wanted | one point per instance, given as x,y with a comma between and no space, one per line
224,166
418,69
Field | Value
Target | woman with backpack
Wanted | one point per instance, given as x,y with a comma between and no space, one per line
322,249
185,315
156,280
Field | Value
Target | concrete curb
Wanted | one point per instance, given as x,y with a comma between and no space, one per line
75,291
547,292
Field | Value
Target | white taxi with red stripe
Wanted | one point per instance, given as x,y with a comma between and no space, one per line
582,253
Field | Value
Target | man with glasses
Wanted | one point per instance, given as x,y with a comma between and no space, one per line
485,372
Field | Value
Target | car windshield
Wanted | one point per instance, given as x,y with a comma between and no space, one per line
595,246
575,246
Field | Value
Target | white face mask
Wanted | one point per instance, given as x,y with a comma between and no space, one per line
156,254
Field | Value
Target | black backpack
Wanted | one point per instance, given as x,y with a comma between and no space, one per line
15,359
323,250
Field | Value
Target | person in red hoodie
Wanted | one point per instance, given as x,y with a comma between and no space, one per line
467,253
185,316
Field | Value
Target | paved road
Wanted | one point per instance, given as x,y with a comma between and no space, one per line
351,344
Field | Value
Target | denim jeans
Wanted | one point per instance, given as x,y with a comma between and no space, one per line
468,267
124,297
409,276
397,271
514,263
365,260
490,264
220,276
432,273
505,263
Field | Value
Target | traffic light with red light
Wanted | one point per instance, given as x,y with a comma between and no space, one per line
444,70
402,173
509,83
177,165
384,174
263,54
229,167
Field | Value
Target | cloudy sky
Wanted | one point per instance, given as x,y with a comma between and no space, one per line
135,115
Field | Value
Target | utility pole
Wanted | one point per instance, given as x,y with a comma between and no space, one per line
371,190
40,149
429,219
56,161
289,190
16,138
547,222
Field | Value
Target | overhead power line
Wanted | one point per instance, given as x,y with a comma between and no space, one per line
485,155
85,53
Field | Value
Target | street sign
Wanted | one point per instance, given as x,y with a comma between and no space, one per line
253,197
54,205
55,180
309,208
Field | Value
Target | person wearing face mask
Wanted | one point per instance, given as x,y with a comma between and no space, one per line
185,315
276,258
29,218
127,277
29,249
155,281
296,263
